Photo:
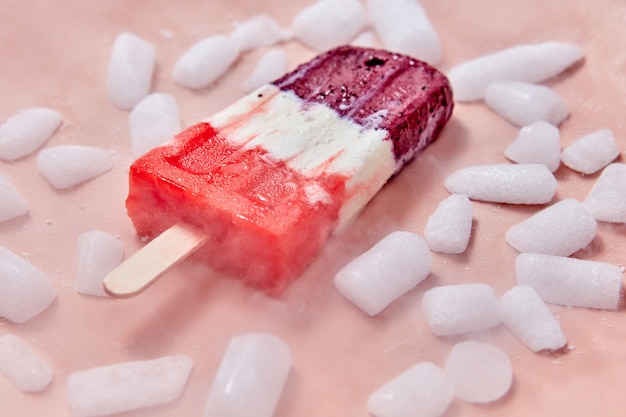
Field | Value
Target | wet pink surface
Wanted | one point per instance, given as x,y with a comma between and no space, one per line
55,54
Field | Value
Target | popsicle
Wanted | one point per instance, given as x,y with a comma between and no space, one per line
258,187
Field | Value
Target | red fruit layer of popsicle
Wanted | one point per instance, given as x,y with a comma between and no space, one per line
268,178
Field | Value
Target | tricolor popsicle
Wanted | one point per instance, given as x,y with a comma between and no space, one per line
265,181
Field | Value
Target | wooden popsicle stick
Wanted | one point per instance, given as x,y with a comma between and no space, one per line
145,266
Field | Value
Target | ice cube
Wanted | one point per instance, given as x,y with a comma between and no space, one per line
127,386
607,198
526,315
12,204
421,391
98,254
591,153
271,66
394,266
259,30
366,39
561,229
481,372
25,291
153,121
537,143
22,365
456,309
250,379
504,183
523,104
25,132
569,281
69,165
130,70
448,229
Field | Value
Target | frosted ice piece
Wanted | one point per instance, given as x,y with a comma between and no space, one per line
403,26
592,152
25,291
329,23
366,39
205,62
504,183
131,66
527,63
560,229
526,315
153,121
394,266
25,132
481,372
456,309
448,229
523,104
537,143
127,386
250,379
421,391
569,281
69,165
607,198
12,204
22,365
271,66
260,30
98,254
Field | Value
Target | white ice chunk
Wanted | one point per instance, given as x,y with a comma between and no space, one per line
130,70
329,23
69,165
22,365
570,281
448,229
403,26
127,386
153,121
25,291
394,266
25,132
12,204
607,198
421,391
366,39
537,143
271,66
592,152
561,229
526,63
526,315
504,183
250,379
259,30
98,254
205,62
481,372
523,104
456,309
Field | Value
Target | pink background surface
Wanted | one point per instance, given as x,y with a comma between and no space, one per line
55,54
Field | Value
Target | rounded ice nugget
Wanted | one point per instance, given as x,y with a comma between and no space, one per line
592,152
607,198
98,254
504,183
250,379
69,165
537,143
421,391
561,229
205,62
12,204
448,229
391,268
569,281
456,309
260,30
271,66
25,132
22,365
152,122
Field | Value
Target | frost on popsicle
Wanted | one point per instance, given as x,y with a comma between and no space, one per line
69,165
607,198
421,391
12,204
22,365
98,253
449,228
260,30
271,66
537,143
394,266
25,291
525,63
127,386
403,26
23,133
153,121
592,152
